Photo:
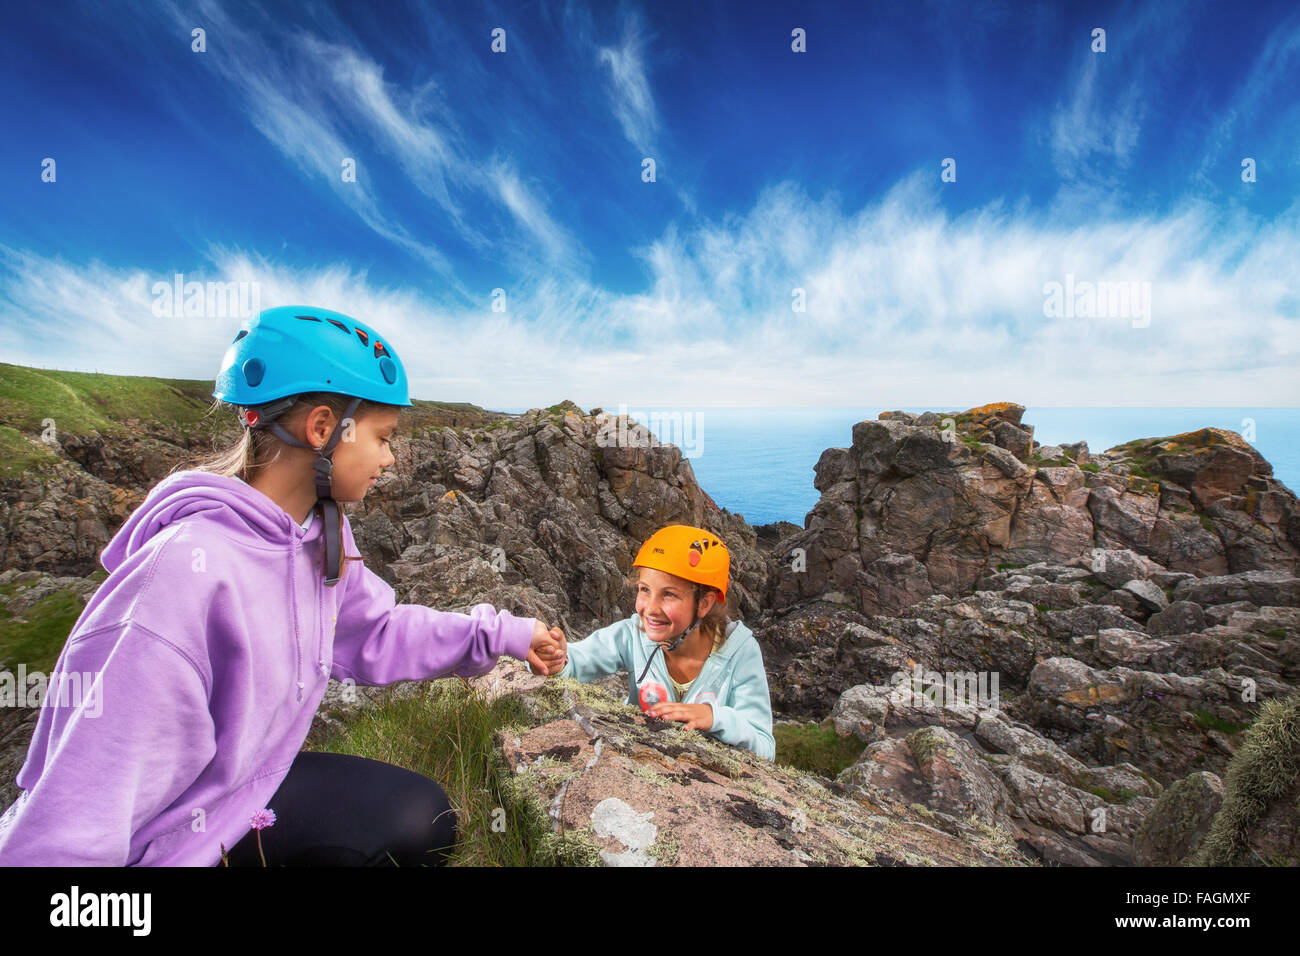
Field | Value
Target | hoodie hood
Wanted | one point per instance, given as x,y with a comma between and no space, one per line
236,509
241,510
736,635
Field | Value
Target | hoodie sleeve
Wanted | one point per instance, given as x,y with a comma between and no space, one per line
746,719
378,641
114,748
600,654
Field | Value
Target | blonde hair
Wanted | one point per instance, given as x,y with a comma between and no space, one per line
714,624
256,449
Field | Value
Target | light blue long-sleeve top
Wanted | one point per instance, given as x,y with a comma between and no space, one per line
732,681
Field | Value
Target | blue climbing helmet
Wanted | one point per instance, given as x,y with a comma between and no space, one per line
294,349
287,351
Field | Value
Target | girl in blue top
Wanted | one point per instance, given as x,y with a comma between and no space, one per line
710,673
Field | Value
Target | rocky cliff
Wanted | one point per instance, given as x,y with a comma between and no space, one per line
1136,608
924,504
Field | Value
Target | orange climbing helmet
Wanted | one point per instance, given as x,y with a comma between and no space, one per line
691,553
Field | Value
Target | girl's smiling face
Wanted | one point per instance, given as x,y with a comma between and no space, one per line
358,463
666,604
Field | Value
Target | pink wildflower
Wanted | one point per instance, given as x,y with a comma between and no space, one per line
262,819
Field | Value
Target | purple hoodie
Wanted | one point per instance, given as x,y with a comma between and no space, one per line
204,655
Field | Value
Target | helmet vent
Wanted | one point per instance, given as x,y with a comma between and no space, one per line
365,339
340,325
242,333
310,318
379,349
254,369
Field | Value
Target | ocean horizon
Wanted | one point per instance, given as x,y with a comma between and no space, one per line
758,461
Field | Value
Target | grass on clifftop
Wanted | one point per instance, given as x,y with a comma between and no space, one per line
84,402
816,748
447,733
20,454
37,635
81,402
1264,770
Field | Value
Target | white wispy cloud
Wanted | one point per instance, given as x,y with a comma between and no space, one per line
530,213
1092,125
1271,81
629,88
319,101
1094,130
428,154
906,305
285,103
94,317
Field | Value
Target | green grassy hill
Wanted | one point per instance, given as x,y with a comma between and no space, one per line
80,403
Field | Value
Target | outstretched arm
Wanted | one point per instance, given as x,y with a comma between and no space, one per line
378,641
602,653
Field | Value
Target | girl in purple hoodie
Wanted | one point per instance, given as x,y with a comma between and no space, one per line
175,716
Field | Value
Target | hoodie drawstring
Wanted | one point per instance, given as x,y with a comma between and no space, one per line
320,637
293,603
672,646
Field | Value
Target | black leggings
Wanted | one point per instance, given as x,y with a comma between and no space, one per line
340,810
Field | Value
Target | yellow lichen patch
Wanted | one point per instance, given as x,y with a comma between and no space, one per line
1142,486
643,772
1206,437
993,408
1092,695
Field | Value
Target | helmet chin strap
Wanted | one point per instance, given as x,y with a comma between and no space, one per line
683,635
672,646
324,469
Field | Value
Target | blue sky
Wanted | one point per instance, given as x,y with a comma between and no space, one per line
775,171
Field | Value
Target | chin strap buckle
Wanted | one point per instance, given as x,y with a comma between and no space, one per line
672,647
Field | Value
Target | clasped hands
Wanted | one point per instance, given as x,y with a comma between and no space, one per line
548,652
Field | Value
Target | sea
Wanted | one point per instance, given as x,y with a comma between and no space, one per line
758,462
